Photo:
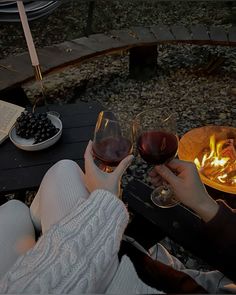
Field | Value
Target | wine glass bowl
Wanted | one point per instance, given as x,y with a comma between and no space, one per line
157,147
113,139
157,143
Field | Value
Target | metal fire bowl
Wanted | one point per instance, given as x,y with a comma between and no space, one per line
195,140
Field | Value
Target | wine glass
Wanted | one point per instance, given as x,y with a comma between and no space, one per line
157,143
113,140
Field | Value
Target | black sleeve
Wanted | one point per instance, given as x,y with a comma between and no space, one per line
159,275
220,234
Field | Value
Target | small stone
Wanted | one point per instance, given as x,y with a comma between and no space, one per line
223,92
139,173
233,111
222,116
233,91
131,169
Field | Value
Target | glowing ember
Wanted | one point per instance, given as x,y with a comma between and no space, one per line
218,162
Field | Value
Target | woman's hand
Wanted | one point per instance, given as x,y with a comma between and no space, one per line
95,178
187,186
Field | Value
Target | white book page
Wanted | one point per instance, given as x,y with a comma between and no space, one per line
8,114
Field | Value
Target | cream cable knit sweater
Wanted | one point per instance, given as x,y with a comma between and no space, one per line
73,255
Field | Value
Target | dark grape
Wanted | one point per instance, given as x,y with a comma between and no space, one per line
37,126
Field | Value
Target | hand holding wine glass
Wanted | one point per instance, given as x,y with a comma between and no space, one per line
187,186
95,178
113,140
157,143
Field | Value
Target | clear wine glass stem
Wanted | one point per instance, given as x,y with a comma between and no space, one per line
163,196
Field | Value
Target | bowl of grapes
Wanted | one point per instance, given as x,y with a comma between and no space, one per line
35,131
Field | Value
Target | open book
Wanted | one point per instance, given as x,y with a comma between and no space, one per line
8,114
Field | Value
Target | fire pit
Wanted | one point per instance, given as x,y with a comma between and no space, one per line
213,150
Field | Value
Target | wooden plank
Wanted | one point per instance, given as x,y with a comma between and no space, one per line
162,33
60,150
143,34
23,178
74,109
218,34
232,35
84,121
26,177
78,134
199,33
103,38
180,33
74,50
126,37
56,56
92,44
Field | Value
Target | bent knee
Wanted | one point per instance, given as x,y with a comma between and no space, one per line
16,216
62,169
14,206
65,163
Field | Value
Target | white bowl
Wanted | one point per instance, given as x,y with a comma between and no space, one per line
27,144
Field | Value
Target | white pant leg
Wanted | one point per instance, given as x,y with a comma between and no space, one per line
61,189
17,233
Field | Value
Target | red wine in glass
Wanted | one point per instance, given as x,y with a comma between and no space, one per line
113,140
157,143
110,151
157,147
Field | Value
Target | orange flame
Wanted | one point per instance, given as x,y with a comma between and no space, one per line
218,163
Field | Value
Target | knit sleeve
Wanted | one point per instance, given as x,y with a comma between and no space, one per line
73,254
224,223
220,235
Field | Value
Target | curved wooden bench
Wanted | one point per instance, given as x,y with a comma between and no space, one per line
140,41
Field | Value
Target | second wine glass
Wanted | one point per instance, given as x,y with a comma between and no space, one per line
157,143
113,140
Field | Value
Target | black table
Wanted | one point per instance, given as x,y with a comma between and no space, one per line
21,170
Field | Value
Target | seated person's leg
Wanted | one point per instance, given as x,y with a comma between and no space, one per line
212,281
61,189
17,233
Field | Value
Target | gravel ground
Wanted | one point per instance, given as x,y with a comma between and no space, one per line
182,82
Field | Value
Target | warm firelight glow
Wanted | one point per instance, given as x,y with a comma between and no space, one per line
218,162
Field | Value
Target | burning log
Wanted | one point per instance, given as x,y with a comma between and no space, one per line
218,163
213,149
229,151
